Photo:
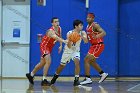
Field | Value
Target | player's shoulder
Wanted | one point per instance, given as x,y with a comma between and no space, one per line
51,29
95,23
60,28
82,32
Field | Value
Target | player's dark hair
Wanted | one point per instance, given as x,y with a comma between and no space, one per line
91,14
77,22
53,19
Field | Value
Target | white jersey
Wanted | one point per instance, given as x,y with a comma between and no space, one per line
75,47
71,53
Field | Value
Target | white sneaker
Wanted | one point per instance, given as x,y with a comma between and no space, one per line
103,77
86,81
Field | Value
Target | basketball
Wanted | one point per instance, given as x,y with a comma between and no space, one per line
74,37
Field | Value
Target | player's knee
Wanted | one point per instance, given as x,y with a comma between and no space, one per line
47,62
86,59
92,59
63,63
42,63
76,59
77,63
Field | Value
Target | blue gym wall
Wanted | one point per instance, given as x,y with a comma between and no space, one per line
112,60
129,46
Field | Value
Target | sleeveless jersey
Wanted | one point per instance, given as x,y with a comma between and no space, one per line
75,47
48,42
90,31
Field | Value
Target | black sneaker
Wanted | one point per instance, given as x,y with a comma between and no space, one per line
76,83
30,78
54,79
45,83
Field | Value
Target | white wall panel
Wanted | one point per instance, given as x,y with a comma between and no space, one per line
15,52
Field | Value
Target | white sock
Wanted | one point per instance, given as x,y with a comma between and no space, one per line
44,77
32,74
88,78
76,75
102,74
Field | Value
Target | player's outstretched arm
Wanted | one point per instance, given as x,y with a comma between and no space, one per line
54,36
60,47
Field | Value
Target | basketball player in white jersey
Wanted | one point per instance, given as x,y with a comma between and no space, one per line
72,51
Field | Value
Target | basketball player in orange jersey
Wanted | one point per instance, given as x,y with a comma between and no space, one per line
46,45
72,51
95,36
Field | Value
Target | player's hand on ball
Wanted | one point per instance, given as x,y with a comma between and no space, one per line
65,41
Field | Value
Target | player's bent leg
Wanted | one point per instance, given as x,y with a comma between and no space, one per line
64,60
39,65
98,68
30,76
47,60
94,64
87,79
87,65
77,66
60,68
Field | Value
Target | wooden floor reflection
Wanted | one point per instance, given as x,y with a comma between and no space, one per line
22,86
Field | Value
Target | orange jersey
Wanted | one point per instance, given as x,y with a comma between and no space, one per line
47,42
90,32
